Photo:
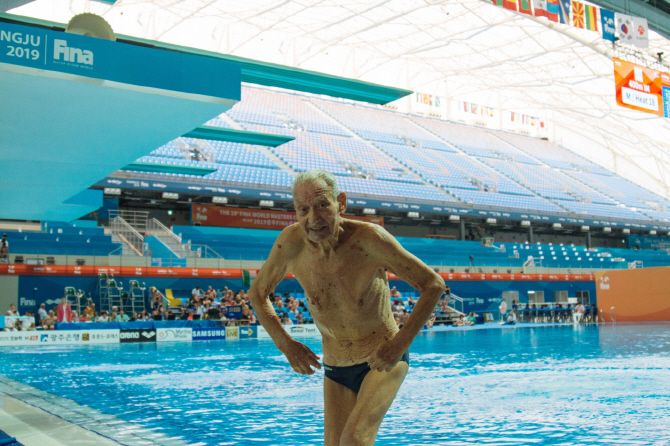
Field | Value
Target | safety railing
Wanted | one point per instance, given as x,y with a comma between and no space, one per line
136,219
127,233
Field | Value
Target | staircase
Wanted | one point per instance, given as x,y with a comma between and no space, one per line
123,232
168,238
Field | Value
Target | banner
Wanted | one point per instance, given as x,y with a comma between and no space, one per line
296,331
608,25
638,87
60,337
174,334
665,82
137,335
223,216
208,334
564,11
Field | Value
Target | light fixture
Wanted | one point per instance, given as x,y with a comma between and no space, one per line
266,203
491,221
170,196
454,218
652,232
585,228
220,200
607,229
625,231
525,223
369,211
413,214
112,191
557,226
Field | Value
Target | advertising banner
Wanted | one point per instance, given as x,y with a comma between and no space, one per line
137,335
59,337
296,331
232,333
665,83
174,334
638,87
208,334
222,216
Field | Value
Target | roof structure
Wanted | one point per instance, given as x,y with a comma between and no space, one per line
465,50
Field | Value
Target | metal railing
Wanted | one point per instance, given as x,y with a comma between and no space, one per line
457,299
136,219
127,233
154,227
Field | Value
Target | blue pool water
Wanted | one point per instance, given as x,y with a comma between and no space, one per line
552,385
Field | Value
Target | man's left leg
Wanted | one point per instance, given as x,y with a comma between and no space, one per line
374,399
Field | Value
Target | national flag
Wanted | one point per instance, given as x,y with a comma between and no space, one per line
512,116
248,277
541,124
524,7
624,28
641,32
608,25
564,13
578,14
498,2
474,109
547,8
510,4
591,17
437,101
465,106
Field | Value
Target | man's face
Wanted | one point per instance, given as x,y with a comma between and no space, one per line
62,300
317,211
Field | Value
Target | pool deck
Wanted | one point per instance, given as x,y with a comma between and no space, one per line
38,418
498,326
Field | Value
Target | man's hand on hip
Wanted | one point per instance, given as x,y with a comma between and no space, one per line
301,358
386,356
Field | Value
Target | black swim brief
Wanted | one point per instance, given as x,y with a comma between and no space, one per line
352,376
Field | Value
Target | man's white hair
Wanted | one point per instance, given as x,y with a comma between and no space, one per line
314,176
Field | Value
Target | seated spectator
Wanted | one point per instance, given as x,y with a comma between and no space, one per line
410,301
471,319
460,322
145,316
579,313
83,318
103,317
196,293
397,321
298,318
49,322
28,324
395,293
191,314
134,317
287,320
444,306
122,317
90,311
42,312
12,310
404,315
279,303
113,317
511,318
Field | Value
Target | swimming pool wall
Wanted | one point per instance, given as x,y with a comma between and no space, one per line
479,296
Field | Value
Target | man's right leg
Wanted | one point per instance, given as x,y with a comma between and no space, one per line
338,403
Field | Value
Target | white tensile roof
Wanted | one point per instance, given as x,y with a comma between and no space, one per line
467,50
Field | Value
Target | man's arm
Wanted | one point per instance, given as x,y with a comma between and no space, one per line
392,256
301,358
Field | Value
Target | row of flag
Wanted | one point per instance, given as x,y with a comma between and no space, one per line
428,99
477,109
629,29
526,119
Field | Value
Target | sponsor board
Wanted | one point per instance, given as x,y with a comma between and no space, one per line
174,334
249,332
138,335
59,337
232,333
207,334
296,331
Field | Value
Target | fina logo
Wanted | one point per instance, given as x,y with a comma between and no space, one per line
603,283
74,55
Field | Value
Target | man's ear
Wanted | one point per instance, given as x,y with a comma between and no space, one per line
342,202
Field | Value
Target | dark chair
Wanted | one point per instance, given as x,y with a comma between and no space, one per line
18,260
51,261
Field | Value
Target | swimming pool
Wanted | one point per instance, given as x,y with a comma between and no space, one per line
551,385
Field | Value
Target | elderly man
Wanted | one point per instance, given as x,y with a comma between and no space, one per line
342,266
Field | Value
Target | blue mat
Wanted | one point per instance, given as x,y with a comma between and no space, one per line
6,440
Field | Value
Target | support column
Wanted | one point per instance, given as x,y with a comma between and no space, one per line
462,229
588,240
530,234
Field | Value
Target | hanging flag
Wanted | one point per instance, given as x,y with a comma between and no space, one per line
607,22
524,7
248,277
564,13
640,32
498,2
547,8
591,17
465,106
578,14
437,101
510,4
512,116
624,28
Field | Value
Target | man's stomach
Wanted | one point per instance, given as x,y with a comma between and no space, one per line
345,349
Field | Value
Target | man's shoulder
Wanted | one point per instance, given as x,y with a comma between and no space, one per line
362,230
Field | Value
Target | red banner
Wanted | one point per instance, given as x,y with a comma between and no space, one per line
217,273
223,216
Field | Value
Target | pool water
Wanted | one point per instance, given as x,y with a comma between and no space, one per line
538,385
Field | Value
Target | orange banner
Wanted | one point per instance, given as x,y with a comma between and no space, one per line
214,273
638,87
634,295
223,216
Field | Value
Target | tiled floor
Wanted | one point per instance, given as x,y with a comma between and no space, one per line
35,427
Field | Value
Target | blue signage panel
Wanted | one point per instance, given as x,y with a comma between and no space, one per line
666,101
124,63
208,334
648,242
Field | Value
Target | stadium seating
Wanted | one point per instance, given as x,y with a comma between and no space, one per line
387,155
63,239
255,244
